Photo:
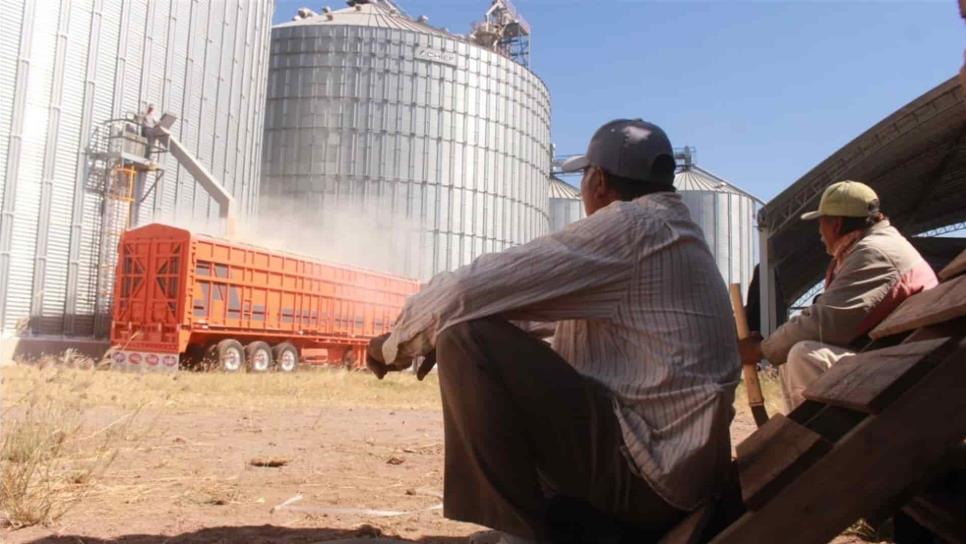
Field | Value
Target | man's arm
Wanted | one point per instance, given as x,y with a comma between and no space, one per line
863,282
579,272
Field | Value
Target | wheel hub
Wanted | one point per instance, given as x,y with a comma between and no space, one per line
287,361
231,360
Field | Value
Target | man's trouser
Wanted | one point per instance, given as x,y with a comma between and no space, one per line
533,448
807,360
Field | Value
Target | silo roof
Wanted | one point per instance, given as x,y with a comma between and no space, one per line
560,189
695,178
368,15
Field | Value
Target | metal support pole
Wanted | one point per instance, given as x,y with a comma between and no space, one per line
766,282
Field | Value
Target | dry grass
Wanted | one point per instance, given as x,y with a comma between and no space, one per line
770,388
52,451
310,387
190,390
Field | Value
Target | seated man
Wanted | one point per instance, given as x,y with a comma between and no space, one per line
873,269
622,426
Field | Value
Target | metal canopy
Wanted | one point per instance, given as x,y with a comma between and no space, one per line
915,159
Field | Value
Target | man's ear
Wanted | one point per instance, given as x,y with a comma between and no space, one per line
833,224
598,183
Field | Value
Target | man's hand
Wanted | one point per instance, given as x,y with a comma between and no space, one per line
749,349
375,362
427,364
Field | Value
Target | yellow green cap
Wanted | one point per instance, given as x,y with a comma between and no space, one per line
846,199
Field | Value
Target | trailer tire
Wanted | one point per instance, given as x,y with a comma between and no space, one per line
258,357
229,356
286,357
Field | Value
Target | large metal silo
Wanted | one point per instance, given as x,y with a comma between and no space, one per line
380,116
66,67
726,215
566,205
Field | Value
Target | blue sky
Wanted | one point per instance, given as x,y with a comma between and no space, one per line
763,90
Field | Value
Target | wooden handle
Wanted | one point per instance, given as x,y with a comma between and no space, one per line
749,372
752,385
741,320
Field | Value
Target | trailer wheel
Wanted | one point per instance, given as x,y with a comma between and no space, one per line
258,356
286,357
230,356
349,359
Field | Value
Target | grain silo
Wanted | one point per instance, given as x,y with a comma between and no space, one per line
66,70
566,205
726,214
378,115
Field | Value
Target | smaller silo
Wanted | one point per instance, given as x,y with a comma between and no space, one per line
566,205
726,215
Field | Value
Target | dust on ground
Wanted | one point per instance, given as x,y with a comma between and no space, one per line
271,459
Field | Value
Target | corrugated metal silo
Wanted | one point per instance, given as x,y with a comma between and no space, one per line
566,205
726,214
68,66
371,111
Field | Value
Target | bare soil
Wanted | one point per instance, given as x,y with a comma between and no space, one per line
297,474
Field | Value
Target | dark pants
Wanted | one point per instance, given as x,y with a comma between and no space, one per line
532,447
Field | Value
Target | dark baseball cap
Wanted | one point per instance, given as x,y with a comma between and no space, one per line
627,148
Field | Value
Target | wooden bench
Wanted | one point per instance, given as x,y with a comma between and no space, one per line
874,432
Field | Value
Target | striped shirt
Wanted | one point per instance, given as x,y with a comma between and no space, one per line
640,307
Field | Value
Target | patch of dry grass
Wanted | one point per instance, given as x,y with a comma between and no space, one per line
771,389
309,387
52,452
190,390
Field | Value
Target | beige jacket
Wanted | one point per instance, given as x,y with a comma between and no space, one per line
880,271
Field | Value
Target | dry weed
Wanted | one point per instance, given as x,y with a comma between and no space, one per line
52,451
771,389
184,391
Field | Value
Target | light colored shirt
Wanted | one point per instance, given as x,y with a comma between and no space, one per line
641,308
864,285
150,119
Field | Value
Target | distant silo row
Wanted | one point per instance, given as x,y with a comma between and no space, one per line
66,67
373,112
565,204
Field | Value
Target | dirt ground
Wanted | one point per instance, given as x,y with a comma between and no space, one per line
190,476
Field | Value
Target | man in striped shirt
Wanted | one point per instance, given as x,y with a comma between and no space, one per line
623,424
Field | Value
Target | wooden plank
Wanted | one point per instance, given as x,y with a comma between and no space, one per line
833,422
955,268
878,460
943,514
867,382
941,303
774,456
690,529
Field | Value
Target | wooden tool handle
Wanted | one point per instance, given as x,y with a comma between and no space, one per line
749,372
741,319
752,385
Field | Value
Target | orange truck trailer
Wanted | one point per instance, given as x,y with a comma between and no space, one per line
182,299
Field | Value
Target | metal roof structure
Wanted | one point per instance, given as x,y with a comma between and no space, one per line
915,159
371,14
561,189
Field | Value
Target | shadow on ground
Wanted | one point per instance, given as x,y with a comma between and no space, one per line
260,534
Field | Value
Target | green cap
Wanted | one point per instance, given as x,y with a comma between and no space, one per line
846,199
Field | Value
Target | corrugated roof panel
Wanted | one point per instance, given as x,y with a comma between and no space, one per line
561,189
695,178
369,15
